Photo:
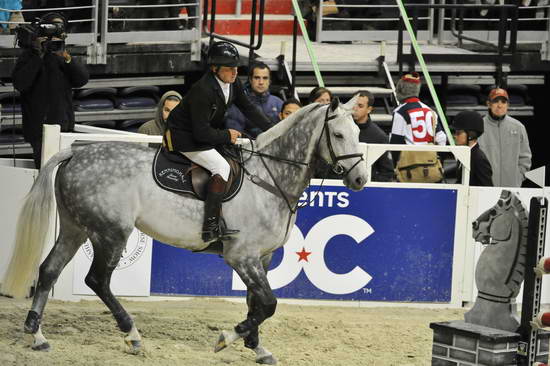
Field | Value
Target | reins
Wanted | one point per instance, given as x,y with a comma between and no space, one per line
277,190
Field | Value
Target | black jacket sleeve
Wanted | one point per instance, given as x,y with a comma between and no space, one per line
399,140
482,171
255,116
28,66
76,72
201,106
384,168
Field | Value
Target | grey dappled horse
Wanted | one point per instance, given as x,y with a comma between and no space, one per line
103,190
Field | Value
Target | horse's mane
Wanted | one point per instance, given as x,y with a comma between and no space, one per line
282,127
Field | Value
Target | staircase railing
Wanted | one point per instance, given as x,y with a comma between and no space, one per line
256,38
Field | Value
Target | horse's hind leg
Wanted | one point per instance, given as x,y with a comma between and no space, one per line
262,304
107,253
70,238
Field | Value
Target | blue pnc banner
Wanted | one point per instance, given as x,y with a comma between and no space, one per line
380,244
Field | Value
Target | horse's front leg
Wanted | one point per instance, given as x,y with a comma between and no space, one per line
252,340
262,304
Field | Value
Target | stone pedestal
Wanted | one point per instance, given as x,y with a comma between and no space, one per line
457,343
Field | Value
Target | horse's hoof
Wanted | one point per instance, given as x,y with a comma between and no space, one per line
134,347
221,344
44,347
267,360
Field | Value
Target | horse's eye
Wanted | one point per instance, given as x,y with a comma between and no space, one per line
338,135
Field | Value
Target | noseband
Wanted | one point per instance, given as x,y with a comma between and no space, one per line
336,166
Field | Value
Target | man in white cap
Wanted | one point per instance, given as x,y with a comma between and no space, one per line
505,142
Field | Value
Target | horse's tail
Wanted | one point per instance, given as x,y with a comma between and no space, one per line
33,228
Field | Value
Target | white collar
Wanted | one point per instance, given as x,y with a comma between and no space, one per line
223,85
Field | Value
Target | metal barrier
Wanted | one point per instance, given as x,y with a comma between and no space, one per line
209,26
425,33
437,27
110,23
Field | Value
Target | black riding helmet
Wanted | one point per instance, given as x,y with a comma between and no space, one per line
469,121
223,54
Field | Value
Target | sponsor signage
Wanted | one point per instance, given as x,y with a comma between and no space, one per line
380,244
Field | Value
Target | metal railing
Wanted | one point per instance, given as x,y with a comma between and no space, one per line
256,37
507,32
116,21
371,25
435,25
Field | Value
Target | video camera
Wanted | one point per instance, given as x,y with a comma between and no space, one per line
26,35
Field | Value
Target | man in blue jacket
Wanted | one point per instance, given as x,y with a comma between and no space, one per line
257,90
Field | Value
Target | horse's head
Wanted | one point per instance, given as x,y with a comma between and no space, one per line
495,225
339,144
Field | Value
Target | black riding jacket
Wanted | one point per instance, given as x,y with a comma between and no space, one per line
198,121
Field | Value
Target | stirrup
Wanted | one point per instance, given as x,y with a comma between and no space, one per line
210,235
228,234
225,233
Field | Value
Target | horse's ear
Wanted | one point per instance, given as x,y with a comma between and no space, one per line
351,103
334,103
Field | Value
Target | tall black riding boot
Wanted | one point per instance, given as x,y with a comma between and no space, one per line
211,229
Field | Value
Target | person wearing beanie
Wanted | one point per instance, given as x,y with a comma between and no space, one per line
505,142
413,121
468,127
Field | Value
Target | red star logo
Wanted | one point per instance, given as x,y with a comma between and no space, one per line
303,255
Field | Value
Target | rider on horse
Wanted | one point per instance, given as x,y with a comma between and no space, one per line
196,127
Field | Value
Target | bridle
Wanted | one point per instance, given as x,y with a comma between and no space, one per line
276,189
336,166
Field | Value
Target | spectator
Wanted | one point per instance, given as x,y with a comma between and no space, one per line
289,106
370,133
257,90
413,120
45,74
6,16
468,127
320,95
505,142
157,126
414,123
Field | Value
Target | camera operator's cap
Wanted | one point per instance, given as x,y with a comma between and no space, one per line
498,92
408,86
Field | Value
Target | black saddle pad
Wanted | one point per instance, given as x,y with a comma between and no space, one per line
173,171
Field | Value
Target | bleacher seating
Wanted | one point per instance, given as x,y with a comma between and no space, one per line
138,97
94,99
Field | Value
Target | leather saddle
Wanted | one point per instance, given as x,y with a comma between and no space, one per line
176,173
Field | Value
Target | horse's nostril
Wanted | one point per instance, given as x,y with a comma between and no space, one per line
475,225
359,181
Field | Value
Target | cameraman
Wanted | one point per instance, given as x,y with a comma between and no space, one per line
45,74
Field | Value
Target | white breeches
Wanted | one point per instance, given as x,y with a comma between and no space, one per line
210,160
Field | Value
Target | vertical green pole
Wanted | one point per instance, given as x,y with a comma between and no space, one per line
310,51
425,71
